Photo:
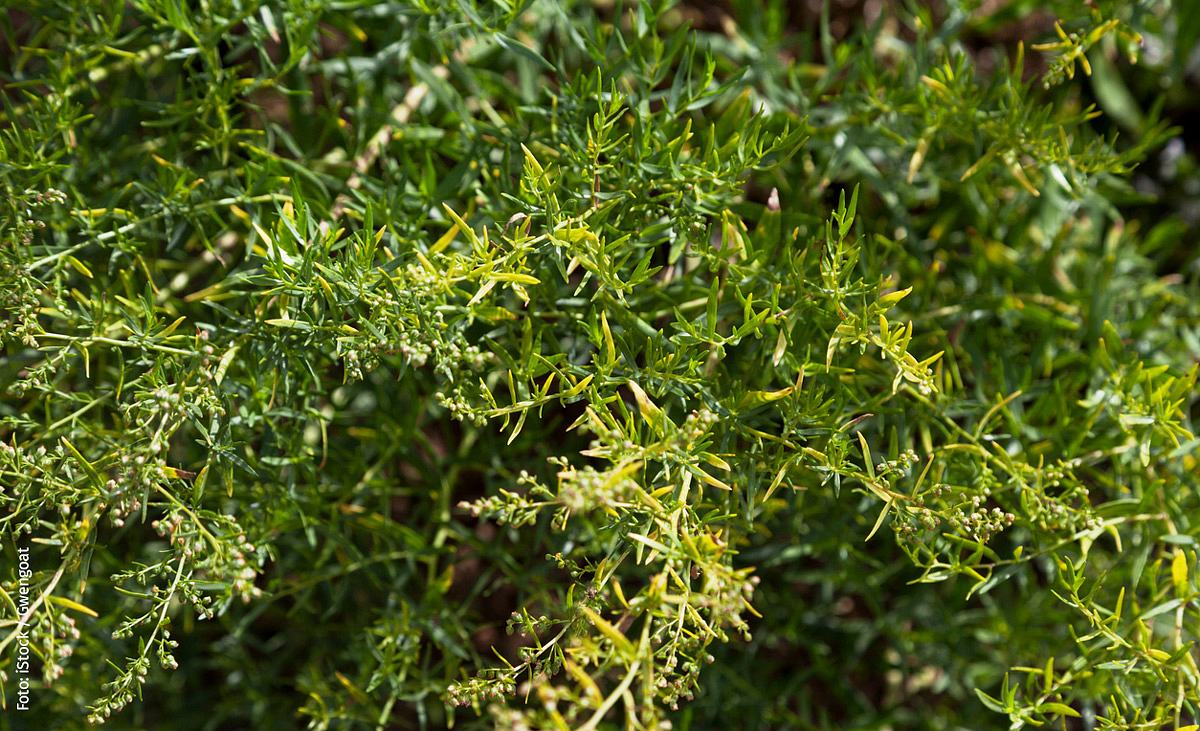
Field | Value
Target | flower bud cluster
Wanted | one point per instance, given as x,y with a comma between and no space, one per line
19,303
480,690
586,489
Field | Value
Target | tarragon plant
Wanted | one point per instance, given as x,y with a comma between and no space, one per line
421,364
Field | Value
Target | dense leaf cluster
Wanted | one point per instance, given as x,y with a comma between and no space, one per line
571,365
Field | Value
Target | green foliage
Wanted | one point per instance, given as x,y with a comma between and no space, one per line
617,365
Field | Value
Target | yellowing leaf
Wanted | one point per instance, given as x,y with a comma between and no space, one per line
1179,572
515,277
76,606
650,412
710,480
610,348
171,328
578,387
758,398
354,690
879,521
622,643
575,235
715,461
462,225
79,267
532,162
